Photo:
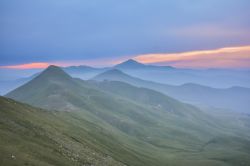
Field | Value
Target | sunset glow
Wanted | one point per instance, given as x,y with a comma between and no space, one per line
27,66
230,57
102,62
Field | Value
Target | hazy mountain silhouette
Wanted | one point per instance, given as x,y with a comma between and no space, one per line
132,64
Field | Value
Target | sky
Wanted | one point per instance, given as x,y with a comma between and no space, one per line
181,33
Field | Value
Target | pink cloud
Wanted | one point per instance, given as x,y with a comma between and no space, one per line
92,62
36,65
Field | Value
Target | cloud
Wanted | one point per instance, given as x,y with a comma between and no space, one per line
76,30
35,65
229,57
101,62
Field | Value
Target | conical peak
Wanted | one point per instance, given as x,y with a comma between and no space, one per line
130,64
53,67
53,72
131,61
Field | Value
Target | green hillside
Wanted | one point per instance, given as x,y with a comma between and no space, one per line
135,126
32,136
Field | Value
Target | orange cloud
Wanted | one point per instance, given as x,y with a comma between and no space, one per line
230,57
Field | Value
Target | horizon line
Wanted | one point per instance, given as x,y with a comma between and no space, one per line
220,58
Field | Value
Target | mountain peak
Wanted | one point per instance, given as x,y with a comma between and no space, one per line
53,80
54,72
52,67
130,64
131,61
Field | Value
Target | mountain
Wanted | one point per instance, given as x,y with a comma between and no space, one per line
117,75
45,89
84,72
217,78
129,64
135,126
87,72
235,98
148,97
132,64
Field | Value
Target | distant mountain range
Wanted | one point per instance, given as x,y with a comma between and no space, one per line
132,64
87,72
235,98
218,78
85,122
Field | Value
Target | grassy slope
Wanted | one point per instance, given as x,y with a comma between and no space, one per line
38,137
133,130
41,137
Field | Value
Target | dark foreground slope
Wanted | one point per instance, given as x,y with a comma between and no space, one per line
32,136
137,126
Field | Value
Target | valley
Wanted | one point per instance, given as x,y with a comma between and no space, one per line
114,123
